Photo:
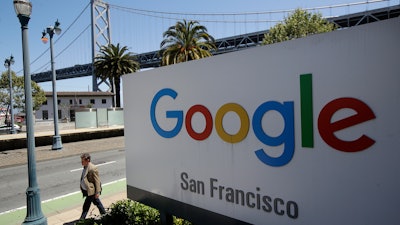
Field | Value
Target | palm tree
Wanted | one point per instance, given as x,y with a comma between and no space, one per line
112,63
186,41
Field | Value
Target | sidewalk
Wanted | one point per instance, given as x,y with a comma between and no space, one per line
67,216
64,210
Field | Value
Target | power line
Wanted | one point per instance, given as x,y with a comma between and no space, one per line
62,34
64,49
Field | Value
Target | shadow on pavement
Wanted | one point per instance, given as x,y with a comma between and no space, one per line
71,223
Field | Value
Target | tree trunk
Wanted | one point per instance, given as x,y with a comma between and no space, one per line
112,90
117,92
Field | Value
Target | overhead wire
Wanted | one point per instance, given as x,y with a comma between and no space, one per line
60,37
69,45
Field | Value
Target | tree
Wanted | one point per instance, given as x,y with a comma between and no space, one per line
299,24
112,63
186,41
38,94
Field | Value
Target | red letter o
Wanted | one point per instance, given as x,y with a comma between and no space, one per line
209,123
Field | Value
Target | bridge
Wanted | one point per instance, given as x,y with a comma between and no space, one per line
225,45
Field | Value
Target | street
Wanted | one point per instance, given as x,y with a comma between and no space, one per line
56,177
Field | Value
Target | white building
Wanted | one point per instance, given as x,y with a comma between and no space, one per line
68,102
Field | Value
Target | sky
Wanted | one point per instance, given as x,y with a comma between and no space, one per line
139,25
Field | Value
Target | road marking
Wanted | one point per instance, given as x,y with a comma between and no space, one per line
59,197
101,164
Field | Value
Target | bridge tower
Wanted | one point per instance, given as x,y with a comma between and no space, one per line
101,34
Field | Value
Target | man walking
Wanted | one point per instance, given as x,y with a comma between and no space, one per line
90,186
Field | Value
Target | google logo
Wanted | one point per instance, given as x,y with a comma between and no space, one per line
326,126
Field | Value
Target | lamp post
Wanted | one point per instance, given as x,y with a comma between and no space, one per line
34,215
7,63
57,143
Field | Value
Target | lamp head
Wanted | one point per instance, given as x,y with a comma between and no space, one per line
44,38
57,28
9,62
23,7
57,24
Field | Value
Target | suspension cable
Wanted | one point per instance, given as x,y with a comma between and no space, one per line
161,14
150,12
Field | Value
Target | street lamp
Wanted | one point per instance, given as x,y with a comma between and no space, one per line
57,143
34,215
7,63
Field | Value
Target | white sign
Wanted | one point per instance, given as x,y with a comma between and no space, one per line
300,132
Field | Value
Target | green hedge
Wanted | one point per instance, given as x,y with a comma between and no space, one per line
130,213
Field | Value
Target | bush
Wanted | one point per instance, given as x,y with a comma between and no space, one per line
179,221
130,213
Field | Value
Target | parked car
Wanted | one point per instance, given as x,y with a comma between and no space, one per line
5,129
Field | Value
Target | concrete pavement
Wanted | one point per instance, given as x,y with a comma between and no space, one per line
65,209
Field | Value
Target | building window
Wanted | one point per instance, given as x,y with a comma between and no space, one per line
45,102
103,101
70,101
80,101
45,115
58,101
59,114
92,101
72,115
